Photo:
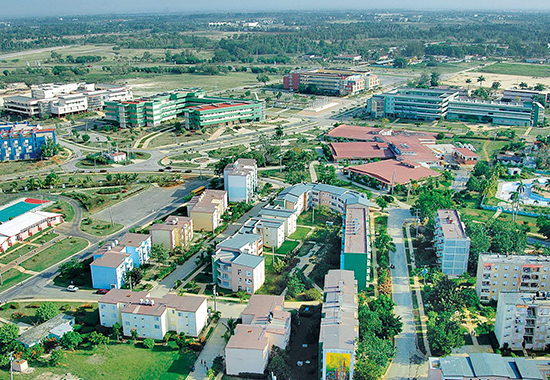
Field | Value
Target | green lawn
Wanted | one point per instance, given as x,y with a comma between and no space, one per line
522,69
287,247
224,152
300,233
55,253
21,250
100,227
12,277
184,156
64,208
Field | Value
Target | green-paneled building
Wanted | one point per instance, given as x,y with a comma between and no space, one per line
356,248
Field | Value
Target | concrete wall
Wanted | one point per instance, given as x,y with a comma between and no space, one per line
245,360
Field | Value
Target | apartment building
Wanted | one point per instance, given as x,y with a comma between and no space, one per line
241,180
23,141
523,320
356,252
237,263
176,231
271,230
339,325
511,273
153,317
197,110
330,81
206,209
496,112
59,100
412,103
451,243
265,324
116,258
288,217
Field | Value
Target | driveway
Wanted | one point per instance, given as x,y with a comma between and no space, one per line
462,177
407,362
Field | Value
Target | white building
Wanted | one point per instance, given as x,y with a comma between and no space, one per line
26,225
523,320
115,156
288,217
241,180
451,243
272,230
153,317
265,324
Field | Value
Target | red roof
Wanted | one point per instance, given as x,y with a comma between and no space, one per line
354,132
466,152
389,171
216,106
359,150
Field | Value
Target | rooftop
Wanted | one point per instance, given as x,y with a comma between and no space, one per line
359,150
394,171
110,260
259,305
36,333
24,221
451,226
133,240
465,152
239,241
495,258
356,236
248,337
354,132
524,299
250,261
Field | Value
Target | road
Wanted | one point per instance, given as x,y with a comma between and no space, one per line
406,363
461,179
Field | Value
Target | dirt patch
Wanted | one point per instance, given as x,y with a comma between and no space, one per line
95,359
52,376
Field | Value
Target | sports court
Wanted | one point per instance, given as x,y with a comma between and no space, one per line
20,207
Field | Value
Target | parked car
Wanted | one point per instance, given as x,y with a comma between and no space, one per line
102,291
72,288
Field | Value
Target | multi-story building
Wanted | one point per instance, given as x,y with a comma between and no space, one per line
265,324
114,259
176,231
483,366
59,100
518,96
330,81
241,180
272,230
197,110
412,103
237,263
288,217
339,326
496,112
23,141
511,273
451,243
356,252
153,317
207,209
523,320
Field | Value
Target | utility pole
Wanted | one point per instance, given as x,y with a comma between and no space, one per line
111,215
11,365
215,294
312,214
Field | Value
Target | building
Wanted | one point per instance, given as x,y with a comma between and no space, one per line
114,259
23,141
265,324
241,180
54,328
115,156
348,57
511,273
197,110
339,326
271,230
206,209
176,231
356,252
465,156
483,366
451,243
388,173
288,217
330,81
59,100
359,152
153,317
345,132
496,112
522,320
237,263
522,96
26,225
412,103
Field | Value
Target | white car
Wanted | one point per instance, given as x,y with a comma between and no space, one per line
72,288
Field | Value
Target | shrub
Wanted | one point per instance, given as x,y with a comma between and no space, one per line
14,305
17,315
148,343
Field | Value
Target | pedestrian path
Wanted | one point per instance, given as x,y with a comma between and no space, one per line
214,347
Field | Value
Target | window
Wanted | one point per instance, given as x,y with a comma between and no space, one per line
157,326
506,275
495,275
506,267
127,323
515,276
240,280
248,273
102,306
516,268
180,314
504,283
156,318
114,315
239,272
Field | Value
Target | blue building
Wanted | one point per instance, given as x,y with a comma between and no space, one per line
23,141
114,259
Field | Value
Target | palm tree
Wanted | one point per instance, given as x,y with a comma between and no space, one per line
514,197
480,80
279,133
230,325
468,81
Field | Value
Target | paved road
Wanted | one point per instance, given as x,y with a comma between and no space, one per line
462,177
404,364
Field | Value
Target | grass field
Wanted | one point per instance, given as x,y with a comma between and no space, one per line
287,247
19,250
523,69
64,208
224,152
12,277
100,227
300,233
55,253
23,166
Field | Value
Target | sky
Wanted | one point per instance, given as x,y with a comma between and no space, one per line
14,8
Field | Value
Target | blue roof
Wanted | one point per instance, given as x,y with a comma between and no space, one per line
250,261
269,210
455,366
238,241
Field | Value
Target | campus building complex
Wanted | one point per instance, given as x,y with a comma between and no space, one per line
496,112
265,324
26,225
153,317
330,81
522,320
114,259
176,231
23,141
339,326
241,180
511,273
206,209
451,243
197,110
59,100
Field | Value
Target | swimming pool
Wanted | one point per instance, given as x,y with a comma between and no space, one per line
20,207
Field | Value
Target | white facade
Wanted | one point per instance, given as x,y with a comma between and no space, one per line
451,243
241,180
289,217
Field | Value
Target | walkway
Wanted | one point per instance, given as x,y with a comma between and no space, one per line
312,172
407,362
214,347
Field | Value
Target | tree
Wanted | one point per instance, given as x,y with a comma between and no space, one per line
242,296
262,78
57,358
539,87
295,285
434,79
9,332
70,340
480,80
278,363
134,276
523,85
148,343
279,265
443,333
381,202
230,326
495,86
160,253
400,62
45,312
96,338
117,330
85,138
49,149
543,224
430,201
372,356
